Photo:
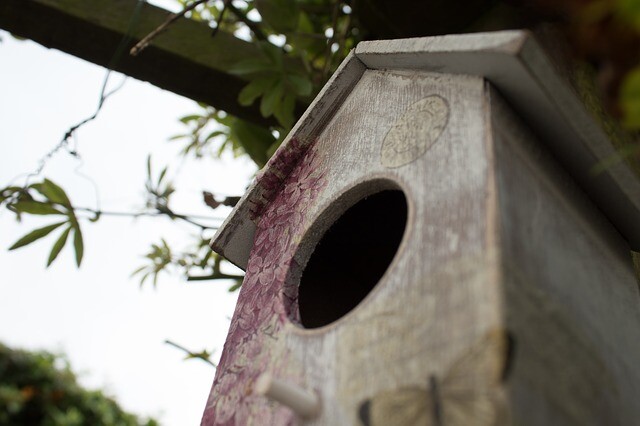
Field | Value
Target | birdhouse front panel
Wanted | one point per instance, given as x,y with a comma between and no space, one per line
414,294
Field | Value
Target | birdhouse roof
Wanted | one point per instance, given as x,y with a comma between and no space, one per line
517,66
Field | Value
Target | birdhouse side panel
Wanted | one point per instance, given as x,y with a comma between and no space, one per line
571,298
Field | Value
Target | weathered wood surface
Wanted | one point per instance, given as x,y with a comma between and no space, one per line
439,297
517,66
515,63
500,238
235,237
185,59
570,295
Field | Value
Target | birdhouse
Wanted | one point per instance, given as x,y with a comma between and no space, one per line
431,245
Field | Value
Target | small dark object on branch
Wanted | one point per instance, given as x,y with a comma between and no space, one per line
211,201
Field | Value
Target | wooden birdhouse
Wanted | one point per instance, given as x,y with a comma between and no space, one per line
431,245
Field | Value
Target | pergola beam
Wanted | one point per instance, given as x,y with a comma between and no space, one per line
185,59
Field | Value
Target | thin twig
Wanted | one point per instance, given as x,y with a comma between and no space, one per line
144,43
343,35
253,26
129,214
103,97
216,276
225,5
191,354
187,218
329,53
64,142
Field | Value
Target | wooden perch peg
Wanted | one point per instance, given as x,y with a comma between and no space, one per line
304,403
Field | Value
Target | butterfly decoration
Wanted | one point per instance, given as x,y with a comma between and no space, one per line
467,395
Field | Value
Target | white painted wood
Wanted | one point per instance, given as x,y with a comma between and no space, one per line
427,310
499,237
304,403
413,324
519,68
234,238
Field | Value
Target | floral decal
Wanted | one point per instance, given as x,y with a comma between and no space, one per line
253,344
272,177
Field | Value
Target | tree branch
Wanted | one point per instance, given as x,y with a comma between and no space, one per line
202,355
187,218
215,276
253,26
142,44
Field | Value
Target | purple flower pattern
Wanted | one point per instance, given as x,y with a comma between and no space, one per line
266,296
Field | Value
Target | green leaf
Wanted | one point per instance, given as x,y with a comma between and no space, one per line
138,270
10,191
274,53
629,10
235,286
271,99
252,66
57,247
35,235
255,140
301,85
630,99
176,137
53,192
188,118
78,244
281,15
162,175
213,135
254,89
284,112
35,207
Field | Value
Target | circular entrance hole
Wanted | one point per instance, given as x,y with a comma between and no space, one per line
351,257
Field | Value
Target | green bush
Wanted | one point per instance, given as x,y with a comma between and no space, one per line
39,388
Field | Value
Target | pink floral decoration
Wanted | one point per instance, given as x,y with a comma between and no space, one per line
278,169
292,183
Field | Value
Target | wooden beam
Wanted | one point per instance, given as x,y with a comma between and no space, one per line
185,59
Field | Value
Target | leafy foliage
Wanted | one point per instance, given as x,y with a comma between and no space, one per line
317,34
39,388
45,198
630,99
301,43
213,132
162,258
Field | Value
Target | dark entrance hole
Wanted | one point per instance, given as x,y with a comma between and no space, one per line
351,257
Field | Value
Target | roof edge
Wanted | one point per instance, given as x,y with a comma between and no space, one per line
522,71
234,238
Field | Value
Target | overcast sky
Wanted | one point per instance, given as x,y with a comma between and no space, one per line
111,329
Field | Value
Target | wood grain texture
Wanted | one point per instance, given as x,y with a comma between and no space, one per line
414,133
518,67
516,64
570,294
427,310
234,238
501,235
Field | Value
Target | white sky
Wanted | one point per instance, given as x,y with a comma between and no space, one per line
110,329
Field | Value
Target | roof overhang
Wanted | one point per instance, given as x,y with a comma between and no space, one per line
520,69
